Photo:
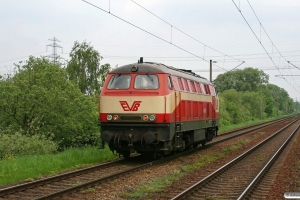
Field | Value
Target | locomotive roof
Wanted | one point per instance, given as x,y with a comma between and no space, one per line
152,67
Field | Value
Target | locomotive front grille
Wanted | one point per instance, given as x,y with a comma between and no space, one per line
131,117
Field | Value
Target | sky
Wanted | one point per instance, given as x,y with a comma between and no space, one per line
185,34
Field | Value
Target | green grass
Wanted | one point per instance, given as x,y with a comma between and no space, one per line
16,169
157,184
249,123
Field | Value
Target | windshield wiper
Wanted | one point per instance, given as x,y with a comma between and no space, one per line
114,77
150,78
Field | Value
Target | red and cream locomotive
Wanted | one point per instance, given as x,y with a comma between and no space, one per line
156,109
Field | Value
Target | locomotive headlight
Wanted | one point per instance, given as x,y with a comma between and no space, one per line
145,117
109,117
116,117
152,118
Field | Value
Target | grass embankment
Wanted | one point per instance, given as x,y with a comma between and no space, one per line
16,169
253,122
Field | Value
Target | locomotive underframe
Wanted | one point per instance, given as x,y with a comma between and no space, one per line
126,138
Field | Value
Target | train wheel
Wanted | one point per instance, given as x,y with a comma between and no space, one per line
203,143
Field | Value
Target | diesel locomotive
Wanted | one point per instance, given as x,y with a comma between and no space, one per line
154,109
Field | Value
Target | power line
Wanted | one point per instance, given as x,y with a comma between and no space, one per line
260,68
149,33
167,58
293,65
185,33
270,38
260,42
190,58
21,57
285,75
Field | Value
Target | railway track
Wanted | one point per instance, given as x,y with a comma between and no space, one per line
66,180
82,179
240,177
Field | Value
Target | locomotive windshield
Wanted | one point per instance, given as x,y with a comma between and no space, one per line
119,82
146,82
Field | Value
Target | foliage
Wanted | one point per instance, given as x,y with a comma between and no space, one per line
246,95
237,112
16,144
225,118
251,102
85,70
40,100
248,79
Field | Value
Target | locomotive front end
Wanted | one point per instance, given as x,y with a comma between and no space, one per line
133,111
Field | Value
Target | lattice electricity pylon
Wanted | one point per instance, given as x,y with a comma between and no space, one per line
54,56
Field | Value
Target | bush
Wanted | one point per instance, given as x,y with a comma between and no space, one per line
16,144
40,100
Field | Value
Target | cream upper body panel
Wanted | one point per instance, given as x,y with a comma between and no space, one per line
137,104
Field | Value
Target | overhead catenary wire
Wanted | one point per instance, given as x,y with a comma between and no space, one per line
260,42
167,58
264,29
21,57
177,57
150,33
261,26
172,26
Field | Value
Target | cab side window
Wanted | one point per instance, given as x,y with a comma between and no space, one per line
170,83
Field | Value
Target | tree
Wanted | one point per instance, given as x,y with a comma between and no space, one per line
235,106
282,101
251,101
39,99
85,70
248,79
269,102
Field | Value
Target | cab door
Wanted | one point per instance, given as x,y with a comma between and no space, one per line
177,107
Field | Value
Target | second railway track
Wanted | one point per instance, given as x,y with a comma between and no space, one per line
237,179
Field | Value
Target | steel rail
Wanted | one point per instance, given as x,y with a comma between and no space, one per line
112,176
227,166
13,189
255,127
266,167
22,187
98,181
